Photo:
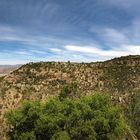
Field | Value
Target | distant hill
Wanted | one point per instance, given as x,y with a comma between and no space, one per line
6,69
119,77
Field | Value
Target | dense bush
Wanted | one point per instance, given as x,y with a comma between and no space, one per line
84,118
69,91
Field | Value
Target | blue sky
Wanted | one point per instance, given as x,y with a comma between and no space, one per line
62,30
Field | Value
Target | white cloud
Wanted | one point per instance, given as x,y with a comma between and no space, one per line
83,49
132,49
55,50
38,51
113,36
110,36
10,33
23,52
123,51
118,37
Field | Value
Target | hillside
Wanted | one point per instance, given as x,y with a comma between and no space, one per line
119,77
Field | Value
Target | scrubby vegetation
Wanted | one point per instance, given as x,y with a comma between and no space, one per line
39,81
134,112
68,117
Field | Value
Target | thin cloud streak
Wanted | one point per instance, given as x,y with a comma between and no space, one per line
133,50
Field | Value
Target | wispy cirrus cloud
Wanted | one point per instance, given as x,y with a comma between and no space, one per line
118,37
68,30
39,48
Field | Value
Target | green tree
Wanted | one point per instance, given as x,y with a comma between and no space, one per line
69,91
87,118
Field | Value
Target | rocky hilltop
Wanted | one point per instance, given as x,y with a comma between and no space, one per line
119,77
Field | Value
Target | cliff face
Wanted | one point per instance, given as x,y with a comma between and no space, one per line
119,77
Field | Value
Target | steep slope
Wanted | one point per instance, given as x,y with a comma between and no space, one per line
118,77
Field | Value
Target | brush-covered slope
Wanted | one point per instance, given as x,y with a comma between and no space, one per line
119,76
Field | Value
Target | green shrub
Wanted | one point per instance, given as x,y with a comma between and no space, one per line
69,91
84,118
